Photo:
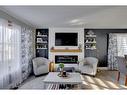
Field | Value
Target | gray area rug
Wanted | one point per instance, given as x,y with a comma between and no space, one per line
103,80
33,83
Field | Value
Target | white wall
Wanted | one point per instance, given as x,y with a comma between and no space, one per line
52,32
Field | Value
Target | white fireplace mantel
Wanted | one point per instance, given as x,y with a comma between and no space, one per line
80,54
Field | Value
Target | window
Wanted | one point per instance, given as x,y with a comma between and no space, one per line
9,53
122,44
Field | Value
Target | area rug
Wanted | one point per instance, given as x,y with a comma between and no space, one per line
103,80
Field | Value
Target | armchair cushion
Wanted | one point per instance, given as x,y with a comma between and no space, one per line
88,64
40,64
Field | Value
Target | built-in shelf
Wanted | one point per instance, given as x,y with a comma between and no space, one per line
91,48
90,42
66,50
41,42
42,36
41,48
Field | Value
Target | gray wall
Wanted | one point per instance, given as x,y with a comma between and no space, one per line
14,20
102,44
4,15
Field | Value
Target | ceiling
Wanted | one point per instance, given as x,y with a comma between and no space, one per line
70,16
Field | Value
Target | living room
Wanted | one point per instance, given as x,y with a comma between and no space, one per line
73,49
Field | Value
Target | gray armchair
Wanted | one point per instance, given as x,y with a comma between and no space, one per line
122,67
40,65
88,65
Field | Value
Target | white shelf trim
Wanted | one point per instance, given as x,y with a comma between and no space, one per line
42,42
91,48
41,48
90,35
42,36
90,42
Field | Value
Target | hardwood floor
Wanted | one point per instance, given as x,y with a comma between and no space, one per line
104,80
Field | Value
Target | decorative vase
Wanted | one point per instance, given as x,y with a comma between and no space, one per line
52,66
61,71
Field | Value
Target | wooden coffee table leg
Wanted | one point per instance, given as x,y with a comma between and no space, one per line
118,76
79,86
44,85
126,81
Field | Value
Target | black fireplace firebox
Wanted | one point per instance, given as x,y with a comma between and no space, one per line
66,59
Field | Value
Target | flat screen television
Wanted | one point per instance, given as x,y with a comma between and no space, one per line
66,39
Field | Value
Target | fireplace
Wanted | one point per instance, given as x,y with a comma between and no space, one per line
66,59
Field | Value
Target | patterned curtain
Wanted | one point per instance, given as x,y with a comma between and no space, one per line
112,51
27,51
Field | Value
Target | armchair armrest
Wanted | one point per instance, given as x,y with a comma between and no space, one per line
81,63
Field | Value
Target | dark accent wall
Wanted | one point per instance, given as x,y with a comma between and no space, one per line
102,44
42,52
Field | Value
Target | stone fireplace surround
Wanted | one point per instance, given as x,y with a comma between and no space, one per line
79,54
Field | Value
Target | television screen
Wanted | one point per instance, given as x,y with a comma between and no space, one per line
66,39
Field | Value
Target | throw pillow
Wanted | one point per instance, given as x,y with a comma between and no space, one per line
38,65
85,63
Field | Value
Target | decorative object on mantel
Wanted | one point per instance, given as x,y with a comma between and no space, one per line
80,46
52,48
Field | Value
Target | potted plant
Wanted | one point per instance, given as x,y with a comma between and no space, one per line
61,66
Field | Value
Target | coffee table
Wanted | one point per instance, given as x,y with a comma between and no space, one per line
53,78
